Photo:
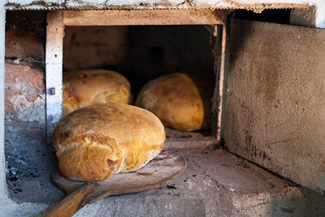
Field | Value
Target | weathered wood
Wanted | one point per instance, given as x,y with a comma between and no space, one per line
72,202
140,17
54,62
163,169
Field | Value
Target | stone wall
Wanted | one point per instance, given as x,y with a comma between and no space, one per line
29,160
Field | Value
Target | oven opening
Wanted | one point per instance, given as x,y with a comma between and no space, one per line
142,54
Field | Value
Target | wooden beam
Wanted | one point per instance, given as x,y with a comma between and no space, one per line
140,17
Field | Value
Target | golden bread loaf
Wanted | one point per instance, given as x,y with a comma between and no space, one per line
90,87
180,101
95,142
69,102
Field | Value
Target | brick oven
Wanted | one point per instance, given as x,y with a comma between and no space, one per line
264,155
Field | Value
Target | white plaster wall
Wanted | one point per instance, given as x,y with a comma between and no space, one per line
3,186
320,14
256,5
211,3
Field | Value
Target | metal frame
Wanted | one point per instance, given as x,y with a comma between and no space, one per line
57,20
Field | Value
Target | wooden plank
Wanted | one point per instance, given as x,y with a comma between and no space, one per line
53,64
140,17
164,168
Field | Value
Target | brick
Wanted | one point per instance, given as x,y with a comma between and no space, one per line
27,74
24,94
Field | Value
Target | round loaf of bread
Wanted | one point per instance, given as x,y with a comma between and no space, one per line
180,101
69,102
95,142
90,87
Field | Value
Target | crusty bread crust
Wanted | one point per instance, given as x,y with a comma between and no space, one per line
69,102
91,87
180,101
97,141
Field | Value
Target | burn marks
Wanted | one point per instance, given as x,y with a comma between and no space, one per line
29,162
171,186
15,171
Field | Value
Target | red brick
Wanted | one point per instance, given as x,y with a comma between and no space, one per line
27,74
24,93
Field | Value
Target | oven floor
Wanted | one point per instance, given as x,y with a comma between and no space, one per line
215,183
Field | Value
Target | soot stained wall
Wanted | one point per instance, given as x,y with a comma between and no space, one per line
140,53
29,160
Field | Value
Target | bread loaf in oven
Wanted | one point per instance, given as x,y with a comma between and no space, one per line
69,102
180,101
95,142
90,87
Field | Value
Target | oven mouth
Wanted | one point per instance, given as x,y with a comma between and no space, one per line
180,48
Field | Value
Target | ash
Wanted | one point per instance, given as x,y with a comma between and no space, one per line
29,163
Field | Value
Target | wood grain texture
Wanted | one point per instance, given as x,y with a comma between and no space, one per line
166,167
72,202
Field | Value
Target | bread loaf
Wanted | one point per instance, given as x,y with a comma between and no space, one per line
69,102
95,142
89,87
180,101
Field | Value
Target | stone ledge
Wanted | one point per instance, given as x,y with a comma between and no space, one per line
215,183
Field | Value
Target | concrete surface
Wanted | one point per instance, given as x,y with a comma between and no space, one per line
275,105
215,183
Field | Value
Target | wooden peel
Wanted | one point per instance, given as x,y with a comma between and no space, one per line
166,167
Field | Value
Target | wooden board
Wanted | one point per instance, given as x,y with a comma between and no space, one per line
166,167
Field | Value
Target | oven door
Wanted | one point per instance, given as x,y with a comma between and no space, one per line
275,107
